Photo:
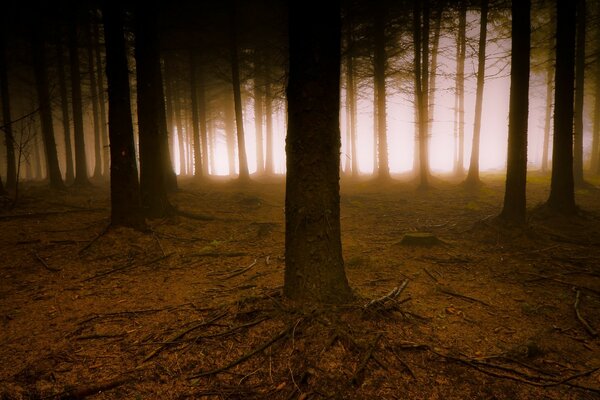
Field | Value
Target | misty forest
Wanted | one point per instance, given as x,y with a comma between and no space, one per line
285,199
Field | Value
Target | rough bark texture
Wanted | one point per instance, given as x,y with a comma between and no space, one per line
11,167
314,269
124,186
66,119
514,210
579,95
562,192
151,111
81,175
461,47
43,92
237,96
379,66
473,175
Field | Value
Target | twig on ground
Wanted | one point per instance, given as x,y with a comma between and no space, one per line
461,296
91,242
368,355
571,284
44,263
246,356
585,324
129,265
391,296
241,271
216,254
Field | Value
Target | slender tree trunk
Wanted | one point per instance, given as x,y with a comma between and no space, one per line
314,270
179,124
64,99
11,168
95,106
461,48
212,150
270,157
562,191
198,172
579,95
473,175
202,118
595,162
421,45
101,101
435,45
258,111
43,93
237,96
379,66
514,210
126,207
151,113
548,116
230,133
81,175
351,107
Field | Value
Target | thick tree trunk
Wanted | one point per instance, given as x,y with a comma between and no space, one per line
151,113
514,210
43,93
94,99
124,186
101,101
461,47
314,270
473,175
258,111
379,66
237,96
562,191
81,175
66,119
11,167
579,95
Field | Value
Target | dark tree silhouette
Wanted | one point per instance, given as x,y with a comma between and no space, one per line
595,162
514,210
579,94
473,175
313,249
198,172
81,175
40,70
11,168
64,102
94,100
151,113
382,169
124,186
258,110
101,100
421,72
562,192
461,47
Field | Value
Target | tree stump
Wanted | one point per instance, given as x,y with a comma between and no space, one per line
419,239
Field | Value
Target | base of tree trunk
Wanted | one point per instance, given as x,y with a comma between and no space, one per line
420,239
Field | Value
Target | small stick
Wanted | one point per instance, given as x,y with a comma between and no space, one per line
462,296
91,242
240,271
392,295
365,359
585,324
44,263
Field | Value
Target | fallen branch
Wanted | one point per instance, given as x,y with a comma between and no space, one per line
91,242
129,265
248,355
241,271
461,296
217,254
44,263
368,355
585,324
391,296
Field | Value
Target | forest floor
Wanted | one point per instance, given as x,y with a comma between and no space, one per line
193,308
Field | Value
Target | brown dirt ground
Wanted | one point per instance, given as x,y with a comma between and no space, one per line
487,314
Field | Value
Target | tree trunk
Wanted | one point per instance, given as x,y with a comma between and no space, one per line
314,270
548,116
270,157
562,192
101,102
11,167
595,163
124,187
64,100
421,48
435,45
40,70
579,95
473,175
95,107
81,176
514,210
461,47
244,174
179,124
351,107
198,172
229,115
258,111
151,113
379,66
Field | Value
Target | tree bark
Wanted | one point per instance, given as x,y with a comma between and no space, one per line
64,100
473,175
270,157
548,116
40,70
514,210
81,174
151,113
229,114
562,192
421,65
258,111
579,95
101,101
461,47
314,270
198,172
379,66
124,186
11,167
244,174
351,105
595,162
94,99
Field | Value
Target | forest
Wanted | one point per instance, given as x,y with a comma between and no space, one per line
300,199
